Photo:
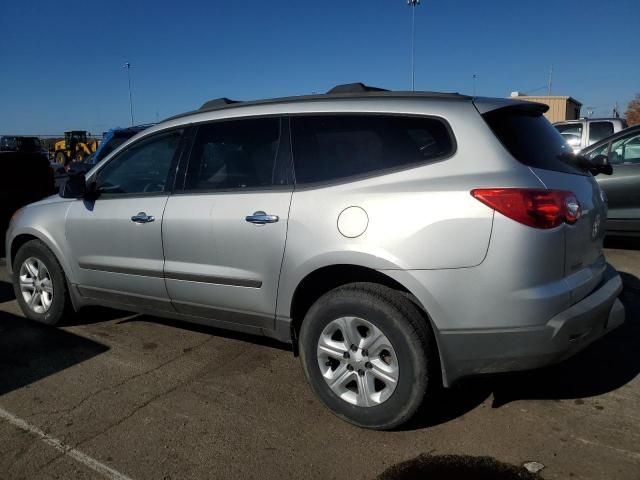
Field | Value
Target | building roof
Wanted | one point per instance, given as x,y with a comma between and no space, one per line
540,98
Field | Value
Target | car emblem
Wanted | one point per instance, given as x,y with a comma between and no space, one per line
596,227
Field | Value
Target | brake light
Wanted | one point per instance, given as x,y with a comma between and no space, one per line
533,207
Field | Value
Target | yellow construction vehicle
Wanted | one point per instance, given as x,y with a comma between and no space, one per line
74,148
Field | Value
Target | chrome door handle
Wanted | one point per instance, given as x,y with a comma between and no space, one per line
260,218
142,218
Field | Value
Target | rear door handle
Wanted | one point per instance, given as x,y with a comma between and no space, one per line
260,218
142,218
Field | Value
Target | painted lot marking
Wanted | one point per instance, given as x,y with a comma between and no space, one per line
68,450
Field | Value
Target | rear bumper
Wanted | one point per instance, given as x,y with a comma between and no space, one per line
481,351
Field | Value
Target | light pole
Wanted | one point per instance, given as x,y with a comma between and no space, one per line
475,77
128,67
413,4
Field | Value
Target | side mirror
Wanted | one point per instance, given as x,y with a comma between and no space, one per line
601,163
74,187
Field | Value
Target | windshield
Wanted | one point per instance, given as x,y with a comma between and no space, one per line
111,145
531,139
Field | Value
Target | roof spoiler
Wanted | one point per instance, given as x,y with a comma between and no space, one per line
485,104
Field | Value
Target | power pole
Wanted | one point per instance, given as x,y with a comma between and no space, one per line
128,67
413,4
475,77
550,81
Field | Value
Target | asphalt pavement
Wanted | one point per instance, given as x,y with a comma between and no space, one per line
121,396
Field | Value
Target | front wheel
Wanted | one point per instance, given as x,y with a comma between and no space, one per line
369,355
39,284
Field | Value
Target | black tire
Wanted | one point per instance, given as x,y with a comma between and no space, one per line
61,303
80,156
407,330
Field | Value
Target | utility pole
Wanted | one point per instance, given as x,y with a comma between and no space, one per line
550,81
475,77
413,4
128,67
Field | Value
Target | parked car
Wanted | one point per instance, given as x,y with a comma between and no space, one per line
25,178
20,144
399,241
623,186
587,131
110,141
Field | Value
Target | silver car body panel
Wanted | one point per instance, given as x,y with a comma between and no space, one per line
481,277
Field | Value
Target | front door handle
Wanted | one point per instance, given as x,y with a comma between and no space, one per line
142,218
260,218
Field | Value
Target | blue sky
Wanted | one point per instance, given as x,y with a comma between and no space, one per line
61,62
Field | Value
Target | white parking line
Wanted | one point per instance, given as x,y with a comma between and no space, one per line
77,455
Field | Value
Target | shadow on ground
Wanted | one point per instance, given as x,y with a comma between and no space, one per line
453,467
30,351
606,365
208,330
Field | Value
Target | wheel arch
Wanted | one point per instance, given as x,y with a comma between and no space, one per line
24,236
323,279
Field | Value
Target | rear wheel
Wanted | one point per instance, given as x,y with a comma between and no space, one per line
368,354
80,156
39,284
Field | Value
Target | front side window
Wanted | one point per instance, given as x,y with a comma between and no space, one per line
331,147
601,150
142,168
599,130
571,132
235,154
625,150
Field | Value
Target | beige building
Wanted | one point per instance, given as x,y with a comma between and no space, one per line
560,108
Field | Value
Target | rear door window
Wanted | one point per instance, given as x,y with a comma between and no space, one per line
531,139
332,147
235,154
599,130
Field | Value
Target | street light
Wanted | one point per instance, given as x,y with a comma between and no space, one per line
128,67
475,77
413,4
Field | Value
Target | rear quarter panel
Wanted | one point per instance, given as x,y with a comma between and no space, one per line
421,218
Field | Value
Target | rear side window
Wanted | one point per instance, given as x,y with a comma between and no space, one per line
331,147
599,130
531,139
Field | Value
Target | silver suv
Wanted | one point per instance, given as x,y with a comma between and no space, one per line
399,241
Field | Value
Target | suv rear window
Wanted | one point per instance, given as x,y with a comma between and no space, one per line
331,147
531,139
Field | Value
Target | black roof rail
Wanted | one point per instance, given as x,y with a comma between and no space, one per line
358,87
217,103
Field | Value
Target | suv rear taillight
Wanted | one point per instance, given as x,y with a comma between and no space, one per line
533,207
